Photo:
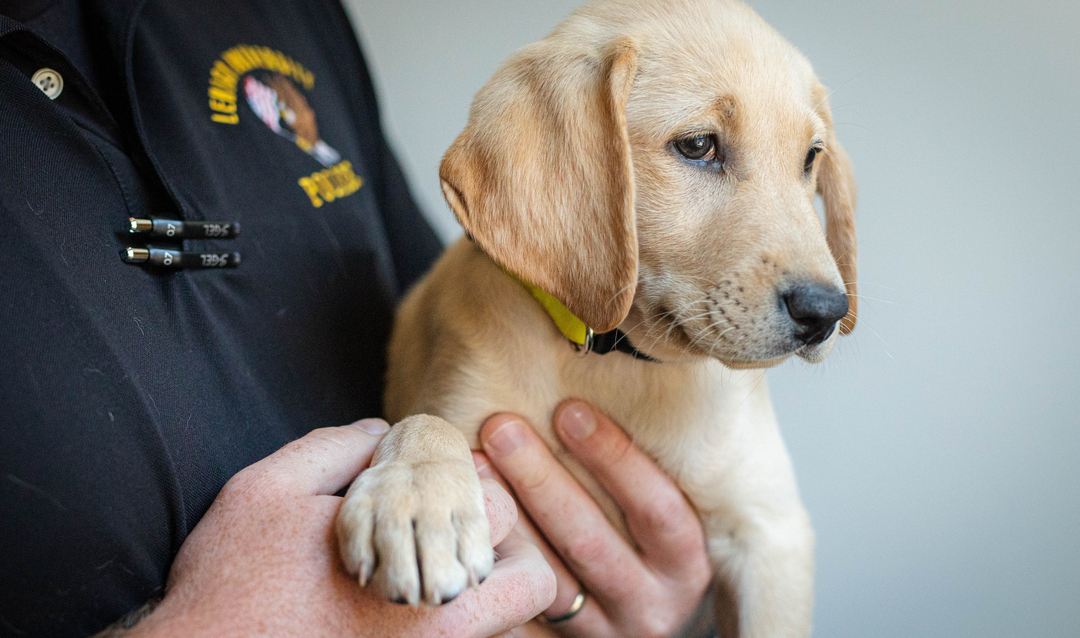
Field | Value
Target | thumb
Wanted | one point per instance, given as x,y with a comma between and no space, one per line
502,511
322,462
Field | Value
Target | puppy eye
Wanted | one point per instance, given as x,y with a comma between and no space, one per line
810,157
698,147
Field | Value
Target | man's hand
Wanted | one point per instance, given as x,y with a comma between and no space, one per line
630,592
264,561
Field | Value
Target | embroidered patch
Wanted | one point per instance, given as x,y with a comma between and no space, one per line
285,110
239,61
270,82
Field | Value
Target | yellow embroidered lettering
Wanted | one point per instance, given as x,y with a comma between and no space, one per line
236,61
222,107
269,60
251,59
223,84
281,61
221,95
332,183
222,72
296,71
312,191
326,189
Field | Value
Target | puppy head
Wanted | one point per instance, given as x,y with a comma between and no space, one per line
654,165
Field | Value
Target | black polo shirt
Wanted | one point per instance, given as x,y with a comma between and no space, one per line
130,394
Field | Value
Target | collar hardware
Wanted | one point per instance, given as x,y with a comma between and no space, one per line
582,337
586,347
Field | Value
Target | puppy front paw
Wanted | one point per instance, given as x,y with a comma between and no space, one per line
416,530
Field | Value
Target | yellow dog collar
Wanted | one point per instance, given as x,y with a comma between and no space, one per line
567,322
575,330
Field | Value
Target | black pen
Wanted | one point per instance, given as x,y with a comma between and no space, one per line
176,229
166,258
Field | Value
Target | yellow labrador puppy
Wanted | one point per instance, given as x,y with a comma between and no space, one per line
641,180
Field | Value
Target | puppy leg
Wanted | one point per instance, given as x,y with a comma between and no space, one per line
764,574
413,524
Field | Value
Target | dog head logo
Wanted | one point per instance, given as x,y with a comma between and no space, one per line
282,107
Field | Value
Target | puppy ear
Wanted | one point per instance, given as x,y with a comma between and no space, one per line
541,178
836,185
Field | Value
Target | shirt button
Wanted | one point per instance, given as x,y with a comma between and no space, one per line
50,82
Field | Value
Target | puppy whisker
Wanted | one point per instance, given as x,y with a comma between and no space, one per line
870,298
848,81
716,343
683,321
704,331
659,319
622,290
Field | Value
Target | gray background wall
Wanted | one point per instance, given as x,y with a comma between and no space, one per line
938,448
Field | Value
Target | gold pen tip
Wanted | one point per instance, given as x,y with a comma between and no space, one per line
135,255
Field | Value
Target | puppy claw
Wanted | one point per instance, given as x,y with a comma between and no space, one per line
416,532
448,599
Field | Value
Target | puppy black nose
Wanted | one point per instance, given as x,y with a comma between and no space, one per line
815,308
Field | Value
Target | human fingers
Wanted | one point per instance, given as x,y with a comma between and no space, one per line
520,586
567,586
590,619
322,462
657,513
502,512
567,516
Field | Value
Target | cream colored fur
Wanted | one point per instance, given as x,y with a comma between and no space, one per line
566,176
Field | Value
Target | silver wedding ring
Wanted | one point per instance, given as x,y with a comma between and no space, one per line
575,607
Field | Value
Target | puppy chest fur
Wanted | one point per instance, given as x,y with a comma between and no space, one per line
470,342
